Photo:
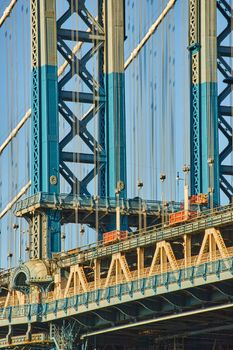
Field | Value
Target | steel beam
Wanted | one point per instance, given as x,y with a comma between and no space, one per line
44,229
204,122
225,110
115,88
94,95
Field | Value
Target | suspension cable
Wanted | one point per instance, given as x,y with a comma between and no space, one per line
150,32
77,47
7,12
27,115
15,199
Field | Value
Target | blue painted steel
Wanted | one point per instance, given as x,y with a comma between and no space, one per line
195,127
116,133
195,131
204,108
204,140
199,275
45,155
106,94
95,96
49,130
209,140
45,141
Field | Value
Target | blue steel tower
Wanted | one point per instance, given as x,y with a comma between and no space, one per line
105,95
50,98
211,86
204,97
44,228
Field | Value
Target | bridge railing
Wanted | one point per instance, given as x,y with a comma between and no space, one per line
208,218
179,279
105,203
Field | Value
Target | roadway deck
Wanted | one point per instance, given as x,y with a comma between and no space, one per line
219,218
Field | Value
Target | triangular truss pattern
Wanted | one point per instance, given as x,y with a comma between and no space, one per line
118,268
93,94
224,110
77,279
211,242
162,256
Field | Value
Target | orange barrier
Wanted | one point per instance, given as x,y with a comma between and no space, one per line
114,236
181,216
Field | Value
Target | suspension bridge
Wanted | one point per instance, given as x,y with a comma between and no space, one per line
116,174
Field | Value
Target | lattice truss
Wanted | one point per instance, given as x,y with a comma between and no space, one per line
195,95
89,37
36,94
225,108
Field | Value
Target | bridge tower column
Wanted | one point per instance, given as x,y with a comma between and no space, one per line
44,228
51,97
115,87
204,97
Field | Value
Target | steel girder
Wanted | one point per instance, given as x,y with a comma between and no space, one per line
102,91
195,128
225,108
204,122
95,97
177,308
44,235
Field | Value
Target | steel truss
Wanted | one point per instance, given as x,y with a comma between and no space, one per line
204,121
221,159
95,97
225,108
195,97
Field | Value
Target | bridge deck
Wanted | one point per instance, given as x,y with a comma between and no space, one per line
220,217
203,287
138,289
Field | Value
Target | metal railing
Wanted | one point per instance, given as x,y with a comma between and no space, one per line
178,278
209,218
102,203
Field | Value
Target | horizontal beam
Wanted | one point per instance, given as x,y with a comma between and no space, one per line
225,51
150,32
15,199
79,35
86,158
226,169
7,12
226,110
159,319
82,97
76,48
